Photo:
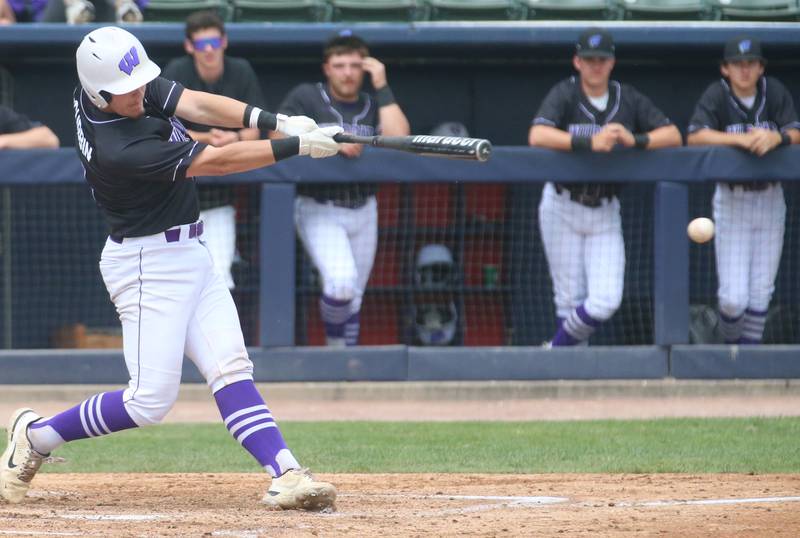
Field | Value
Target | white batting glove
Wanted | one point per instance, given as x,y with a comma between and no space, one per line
320,143
295,125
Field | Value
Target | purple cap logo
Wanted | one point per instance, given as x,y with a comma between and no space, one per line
594,40
129,61
744,46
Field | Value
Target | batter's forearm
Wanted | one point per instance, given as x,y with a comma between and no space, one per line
233,158
209,109
667,136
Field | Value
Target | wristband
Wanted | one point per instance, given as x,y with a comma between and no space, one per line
581,143
283,148
385,96
259,119
785,139
641,141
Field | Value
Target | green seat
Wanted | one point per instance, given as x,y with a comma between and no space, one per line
178,10
379,10
571,10
477,10
281,11
758,10
666,10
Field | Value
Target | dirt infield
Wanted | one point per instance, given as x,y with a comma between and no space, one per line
412,505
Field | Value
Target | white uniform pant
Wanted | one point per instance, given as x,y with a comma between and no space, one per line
341,243
171,301
748,243
585,251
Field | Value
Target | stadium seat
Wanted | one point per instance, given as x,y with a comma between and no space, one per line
281,11
178,10
666,10
571,10
757,10
476,10
378,10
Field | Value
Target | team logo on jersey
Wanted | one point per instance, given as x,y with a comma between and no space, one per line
744,46
594,40
129,61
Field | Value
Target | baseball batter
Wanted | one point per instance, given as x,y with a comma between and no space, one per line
171,301
338,223
580,222
747,110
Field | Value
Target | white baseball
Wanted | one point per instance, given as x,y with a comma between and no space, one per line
701,230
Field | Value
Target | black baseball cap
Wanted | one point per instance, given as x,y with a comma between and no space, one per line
595,43
743,48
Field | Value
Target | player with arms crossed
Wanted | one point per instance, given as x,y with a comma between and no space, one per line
747,110
171,300
338,223
580,223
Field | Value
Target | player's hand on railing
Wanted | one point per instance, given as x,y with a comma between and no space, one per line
763,141
623,135
295,125
320,143
605,140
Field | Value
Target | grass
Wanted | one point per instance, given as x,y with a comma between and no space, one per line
752,445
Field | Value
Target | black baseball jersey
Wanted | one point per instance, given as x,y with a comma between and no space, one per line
719,109
238,81
566,107
359,118
137,167
13,122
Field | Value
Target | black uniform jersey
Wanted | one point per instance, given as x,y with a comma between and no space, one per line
137,167
13,122
566,107
359,118
719,109
238,81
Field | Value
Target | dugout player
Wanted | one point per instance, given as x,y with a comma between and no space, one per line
140,165
580,222
747,110
338,223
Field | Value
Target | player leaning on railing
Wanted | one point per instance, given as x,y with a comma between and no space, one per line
171,300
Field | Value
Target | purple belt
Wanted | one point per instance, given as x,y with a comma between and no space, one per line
173,235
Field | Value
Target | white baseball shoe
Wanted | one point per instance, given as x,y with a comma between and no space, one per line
79,12
128,12
20,461
297,489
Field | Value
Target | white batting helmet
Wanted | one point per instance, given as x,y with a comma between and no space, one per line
112,60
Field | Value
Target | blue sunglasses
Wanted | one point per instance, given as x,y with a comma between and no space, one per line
213,42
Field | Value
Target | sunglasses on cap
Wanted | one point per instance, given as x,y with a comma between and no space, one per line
213,42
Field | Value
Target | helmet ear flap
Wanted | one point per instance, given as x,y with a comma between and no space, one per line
106,97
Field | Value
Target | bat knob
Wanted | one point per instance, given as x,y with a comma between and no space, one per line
483,151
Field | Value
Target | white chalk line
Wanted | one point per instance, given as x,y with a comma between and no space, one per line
112,517
705,502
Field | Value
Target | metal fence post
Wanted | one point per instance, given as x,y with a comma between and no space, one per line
277,271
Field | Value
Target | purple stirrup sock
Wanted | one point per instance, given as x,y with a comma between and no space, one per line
351,330
335,314
576,328
249,421
101,414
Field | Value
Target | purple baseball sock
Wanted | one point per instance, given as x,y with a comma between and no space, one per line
753,326
576,328
101,414
730,327
351,330
249,421
335,314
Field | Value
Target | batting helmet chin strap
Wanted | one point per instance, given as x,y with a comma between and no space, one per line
112,61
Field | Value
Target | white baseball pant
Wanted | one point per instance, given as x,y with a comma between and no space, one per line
171,301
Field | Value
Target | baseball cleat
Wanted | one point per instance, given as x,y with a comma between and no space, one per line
20,461
297,489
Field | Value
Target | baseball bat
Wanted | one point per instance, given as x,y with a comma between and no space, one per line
452,147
